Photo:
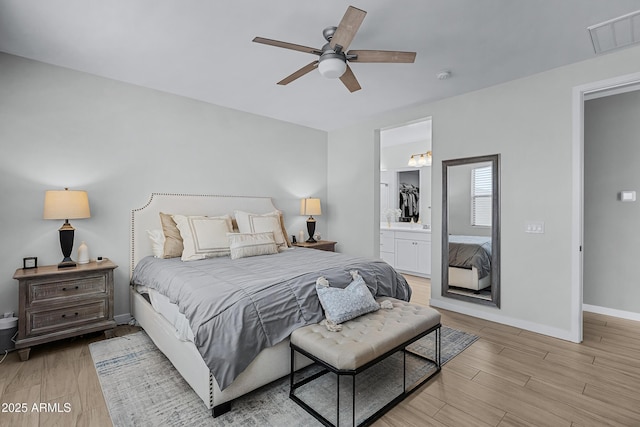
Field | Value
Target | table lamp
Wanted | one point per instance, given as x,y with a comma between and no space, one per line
310,207
66,204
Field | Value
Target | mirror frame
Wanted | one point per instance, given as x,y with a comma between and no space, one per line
494,159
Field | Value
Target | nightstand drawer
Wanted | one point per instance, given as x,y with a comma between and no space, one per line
45,291
43,321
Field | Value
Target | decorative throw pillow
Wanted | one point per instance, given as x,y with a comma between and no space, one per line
203,236
262,223
251,244
173,246
345,304
157,242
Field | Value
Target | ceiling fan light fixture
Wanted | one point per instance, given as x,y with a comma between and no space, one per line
333,57
332,65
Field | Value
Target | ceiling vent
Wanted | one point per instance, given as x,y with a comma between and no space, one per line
616,33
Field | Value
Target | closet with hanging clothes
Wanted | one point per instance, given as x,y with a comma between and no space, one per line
409,196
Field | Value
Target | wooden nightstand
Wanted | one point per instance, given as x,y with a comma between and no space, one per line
323,245
62,303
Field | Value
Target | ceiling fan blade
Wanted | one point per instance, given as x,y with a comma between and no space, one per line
348,28
350,81
301,72
382,56
286,45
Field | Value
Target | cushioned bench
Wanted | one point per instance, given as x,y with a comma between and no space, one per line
363,342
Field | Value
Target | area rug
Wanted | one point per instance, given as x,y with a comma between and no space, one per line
142,388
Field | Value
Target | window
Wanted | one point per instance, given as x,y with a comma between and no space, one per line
481,195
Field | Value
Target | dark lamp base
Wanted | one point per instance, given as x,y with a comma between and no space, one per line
311,229
66,244
67,263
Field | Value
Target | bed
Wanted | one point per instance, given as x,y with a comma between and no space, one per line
470,262
205,365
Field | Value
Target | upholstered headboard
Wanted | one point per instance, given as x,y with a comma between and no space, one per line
147,217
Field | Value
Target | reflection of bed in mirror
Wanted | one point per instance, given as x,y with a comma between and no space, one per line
470,262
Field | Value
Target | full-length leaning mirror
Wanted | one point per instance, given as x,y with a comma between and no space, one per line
471,229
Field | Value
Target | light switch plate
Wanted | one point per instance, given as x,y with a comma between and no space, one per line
534,227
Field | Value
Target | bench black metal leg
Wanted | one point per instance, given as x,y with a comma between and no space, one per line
293,355
353,395
438,348
404,370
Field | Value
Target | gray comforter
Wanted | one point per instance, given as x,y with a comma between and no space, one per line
236,308
471,251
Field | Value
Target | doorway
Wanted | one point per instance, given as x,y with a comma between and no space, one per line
398,146
405,197
580,95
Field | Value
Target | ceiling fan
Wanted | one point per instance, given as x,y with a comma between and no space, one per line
333,57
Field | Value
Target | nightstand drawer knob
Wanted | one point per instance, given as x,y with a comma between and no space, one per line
77,287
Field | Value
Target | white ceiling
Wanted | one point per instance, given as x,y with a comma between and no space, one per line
203,50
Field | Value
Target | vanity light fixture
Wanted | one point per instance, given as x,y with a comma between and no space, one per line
420,159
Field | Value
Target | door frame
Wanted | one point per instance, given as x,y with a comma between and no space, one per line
615,85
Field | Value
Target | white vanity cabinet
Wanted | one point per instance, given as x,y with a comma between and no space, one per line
407,251
413,252
387,247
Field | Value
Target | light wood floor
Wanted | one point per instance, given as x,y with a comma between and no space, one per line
509,377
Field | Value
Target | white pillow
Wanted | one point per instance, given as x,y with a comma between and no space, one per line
157,242
251,244
262,223
203,236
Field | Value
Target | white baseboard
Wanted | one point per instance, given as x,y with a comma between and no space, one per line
629,315
505,320
122,319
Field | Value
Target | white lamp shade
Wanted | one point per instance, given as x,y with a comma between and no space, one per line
332,68
66,204
310,207
412,161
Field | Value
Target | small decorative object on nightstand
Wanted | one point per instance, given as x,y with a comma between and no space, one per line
323,245
83,253
30,262
60,303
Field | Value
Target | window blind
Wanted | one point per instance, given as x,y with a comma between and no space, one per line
481,196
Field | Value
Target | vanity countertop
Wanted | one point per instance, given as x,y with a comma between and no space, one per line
400,226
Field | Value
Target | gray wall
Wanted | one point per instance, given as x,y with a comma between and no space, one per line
62,128
528,121
612,227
